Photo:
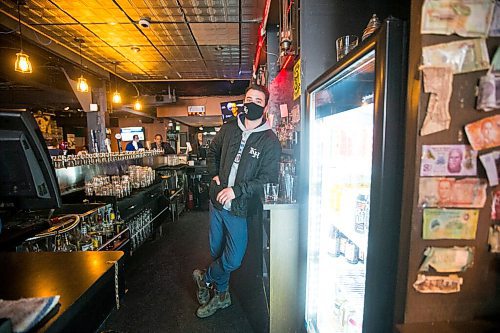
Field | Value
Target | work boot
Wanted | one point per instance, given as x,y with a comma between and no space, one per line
221,300
203,294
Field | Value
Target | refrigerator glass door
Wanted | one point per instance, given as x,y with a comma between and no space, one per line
341,146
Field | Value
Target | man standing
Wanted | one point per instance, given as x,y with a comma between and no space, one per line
159,144
243,156
135,144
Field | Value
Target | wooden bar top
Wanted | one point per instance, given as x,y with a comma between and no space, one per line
78,277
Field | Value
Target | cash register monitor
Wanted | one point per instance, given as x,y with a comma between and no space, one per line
27,177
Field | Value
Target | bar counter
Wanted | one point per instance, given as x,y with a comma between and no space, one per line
283,238
84,280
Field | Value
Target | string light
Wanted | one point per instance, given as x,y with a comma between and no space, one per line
23,63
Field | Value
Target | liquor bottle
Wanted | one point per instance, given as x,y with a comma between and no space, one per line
97,240
119,224
68,245
108,225
100,219
85,242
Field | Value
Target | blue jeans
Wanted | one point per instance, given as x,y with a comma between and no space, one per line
228,243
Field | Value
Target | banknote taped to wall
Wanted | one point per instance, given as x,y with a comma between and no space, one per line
495,206
468,55
438,284
484,133
488,97
495,22
450,192
467,18
448,259
491,163
495,63
450,223
438,82
448,160
494,239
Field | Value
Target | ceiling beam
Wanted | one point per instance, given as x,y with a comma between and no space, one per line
188,80
134,112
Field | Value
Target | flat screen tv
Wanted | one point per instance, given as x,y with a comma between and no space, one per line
129,132
230,109
28,180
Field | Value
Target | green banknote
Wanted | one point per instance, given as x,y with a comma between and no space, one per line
450,223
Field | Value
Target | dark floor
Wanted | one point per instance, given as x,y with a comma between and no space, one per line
161,293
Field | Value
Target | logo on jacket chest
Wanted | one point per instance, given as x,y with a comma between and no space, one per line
254,152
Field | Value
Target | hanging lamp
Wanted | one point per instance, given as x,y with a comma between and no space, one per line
117,98
137,105
81,85
23,63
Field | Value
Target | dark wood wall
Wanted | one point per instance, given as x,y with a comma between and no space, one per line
480,294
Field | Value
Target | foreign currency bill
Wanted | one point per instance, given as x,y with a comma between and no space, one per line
450,223
468,55
466,18
494,239
448,259
488,97
495,206
449,192
438,284
484,133
438,82
491,163
495,62
448,160
495,22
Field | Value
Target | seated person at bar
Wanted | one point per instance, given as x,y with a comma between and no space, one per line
134,144
159,144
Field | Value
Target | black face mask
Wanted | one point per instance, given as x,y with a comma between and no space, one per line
253,111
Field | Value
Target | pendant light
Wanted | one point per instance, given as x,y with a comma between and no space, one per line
81,85
23,64
137,105
117,98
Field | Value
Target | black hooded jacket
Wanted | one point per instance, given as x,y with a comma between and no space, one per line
259,164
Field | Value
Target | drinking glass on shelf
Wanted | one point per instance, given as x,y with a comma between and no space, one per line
271,192
345,44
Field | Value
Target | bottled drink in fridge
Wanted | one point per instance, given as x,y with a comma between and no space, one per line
351,253
362,213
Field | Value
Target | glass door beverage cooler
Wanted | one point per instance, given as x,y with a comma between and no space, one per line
355,126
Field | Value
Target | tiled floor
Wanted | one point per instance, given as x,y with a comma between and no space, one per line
161,293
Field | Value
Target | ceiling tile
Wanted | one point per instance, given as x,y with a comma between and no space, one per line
216,33
168,46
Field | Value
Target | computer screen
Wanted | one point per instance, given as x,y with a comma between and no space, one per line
28,179
230,109
129,132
